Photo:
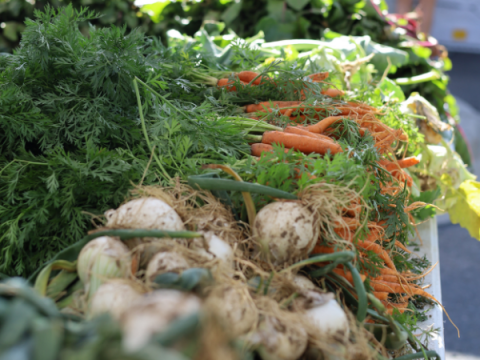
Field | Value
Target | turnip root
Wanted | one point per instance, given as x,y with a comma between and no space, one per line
287,230
280,339
212,247
114,297
163,262
101,259
152,313
303,283
326,315
235,307
145,213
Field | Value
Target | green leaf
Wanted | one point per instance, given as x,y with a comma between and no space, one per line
428,197
297,4
232,185
232,12
47,338
187,281
391,90
16,323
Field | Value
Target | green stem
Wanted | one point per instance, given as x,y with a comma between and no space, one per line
169,103
125,234
253,138
361,293
419,355
267,284
144,128
429,76
348,255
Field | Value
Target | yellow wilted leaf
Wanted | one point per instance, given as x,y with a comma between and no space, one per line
466,210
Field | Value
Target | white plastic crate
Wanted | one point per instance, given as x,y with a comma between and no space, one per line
429,235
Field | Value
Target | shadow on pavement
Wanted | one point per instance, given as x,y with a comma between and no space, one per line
460,276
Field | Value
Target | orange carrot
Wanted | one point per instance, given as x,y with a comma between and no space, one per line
377,249
318,77
332,92
407,162
399,289
259,148
269,105
321,249
322,125
248,76
302,143
228,84
347,275
380,295
387,271
302,131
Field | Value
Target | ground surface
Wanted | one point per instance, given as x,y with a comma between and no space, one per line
459,253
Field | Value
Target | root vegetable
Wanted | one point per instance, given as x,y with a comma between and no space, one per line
214,248
304,283
280,339
328,318
145,213
235,307
164,262
101,259
152,313
114,297
287,230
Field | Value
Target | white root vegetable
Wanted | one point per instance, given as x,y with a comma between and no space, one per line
163,262
303,283
287,230
214,248
114,297
280,339
326,315
152,313
235,308
101,259
145,213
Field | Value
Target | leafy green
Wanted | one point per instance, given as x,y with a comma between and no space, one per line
72,142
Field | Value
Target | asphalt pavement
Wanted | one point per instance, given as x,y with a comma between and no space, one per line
460,253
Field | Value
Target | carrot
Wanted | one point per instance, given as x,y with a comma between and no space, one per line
323,124
377,249
259,148
399,289
269,105
228,84
347,275
248,76
321,249
387,271
302,143
318,77
401,305
302,131
407,162
332,92
380,295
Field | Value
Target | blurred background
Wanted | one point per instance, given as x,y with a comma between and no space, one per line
453,23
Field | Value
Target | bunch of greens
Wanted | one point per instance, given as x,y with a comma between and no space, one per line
72,142
14,13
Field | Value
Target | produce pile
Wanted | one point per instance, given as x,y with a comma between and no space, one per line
260,209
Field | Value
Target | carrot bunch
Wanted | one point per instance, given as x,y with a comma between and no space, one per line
391,287
251,78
